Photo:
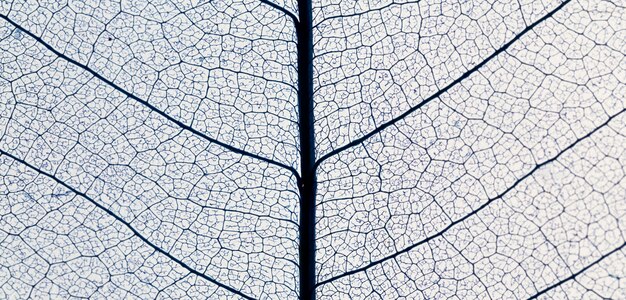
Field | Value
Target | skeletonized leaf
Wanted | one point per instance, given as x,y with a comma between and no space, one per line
464,150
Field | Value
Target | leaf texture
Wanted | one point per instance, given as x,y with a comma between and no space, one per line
128,108
458,149
506,180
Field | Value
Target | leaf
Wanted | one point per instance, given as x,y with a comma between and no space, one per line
170,129
312,149
469,150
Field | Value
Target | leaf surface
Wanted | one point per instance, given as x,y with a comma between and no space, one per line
458,150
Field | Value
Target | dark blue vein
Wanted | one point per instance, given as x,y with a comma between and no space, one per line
283,10
150,106
109,212
443,90
474,212
573,276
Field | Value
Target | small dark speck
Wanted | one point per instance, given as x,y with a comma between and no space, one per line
110,38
